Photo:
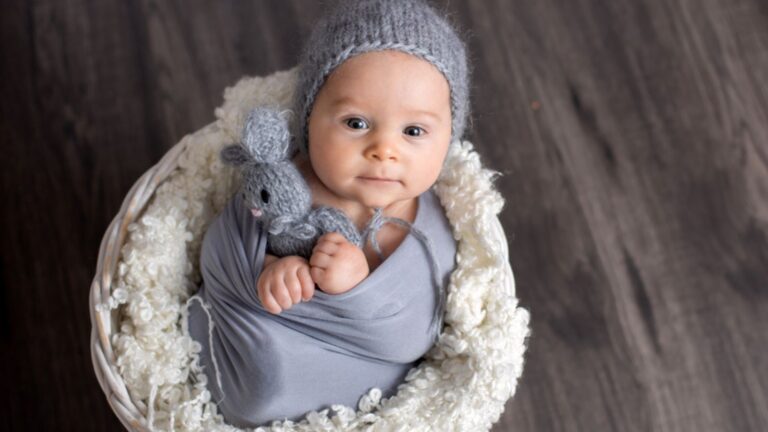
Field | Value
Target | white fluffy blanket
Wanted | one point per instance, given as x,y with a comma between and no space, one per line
462,385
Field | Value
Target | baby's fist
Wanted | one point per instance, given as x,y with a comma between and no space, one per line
285,282
336,265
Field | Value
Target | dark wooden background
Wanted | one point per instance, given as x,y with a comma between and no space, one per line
633,139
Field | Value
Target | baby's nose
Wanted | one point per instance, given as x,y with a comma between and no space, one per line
382,150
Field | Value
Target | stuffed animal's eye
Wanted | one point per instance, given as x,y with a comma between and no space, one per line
265,196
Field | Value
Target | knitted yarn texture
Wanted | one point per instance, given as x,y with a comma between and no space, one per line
358,26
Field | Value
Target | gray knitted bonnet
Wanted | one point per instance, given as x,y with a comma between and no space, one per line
355,27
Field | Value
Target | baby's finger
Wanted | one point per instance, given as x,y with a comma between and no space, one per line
280,292
318,275
267,299
326,246
333,237
294,286
320,259
307,284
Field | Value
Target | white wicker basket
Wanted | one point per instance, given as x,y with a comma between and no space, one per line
466,379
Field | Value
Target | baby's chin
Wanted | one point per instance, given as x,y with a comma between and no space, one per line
371,197
371,202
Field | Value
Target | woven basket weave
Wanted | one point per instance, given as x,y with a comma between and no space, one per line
104,321
503,320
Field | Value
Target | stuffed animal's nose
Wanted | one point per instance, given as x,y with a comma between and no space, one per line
256,212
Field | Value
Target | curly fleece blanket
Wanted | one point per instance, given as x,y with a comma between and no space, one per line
463,382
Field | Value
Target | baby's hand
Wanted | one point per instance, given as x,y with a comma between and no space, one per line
284,282
336,265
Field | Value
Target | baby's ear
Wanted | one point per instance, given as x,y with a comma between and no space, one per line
234,154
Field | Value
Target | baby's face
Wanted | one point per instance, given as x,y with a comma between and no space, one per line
380,127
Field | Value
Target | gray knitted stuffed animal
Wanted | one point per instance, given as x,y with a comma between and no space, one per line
277,193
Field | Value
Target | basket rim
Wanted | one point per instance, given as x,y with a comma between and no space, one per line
131,413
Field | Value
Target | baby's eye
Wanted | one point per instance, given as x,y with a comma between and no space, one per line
357,123
414,131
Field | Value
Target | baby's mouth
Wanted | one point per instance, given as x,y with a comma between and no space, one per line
256,212
377,179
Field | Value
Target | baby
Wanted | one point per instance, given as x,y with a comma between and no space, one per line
371,146
382,94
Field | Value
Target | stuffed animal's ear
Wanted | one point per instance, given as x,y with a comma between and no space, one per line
266,135
234,154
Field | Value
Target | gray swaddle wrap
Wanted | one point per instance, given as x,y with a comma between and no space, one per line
330,350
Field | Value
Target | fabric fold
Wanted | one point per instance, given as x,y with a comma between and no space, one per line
330,350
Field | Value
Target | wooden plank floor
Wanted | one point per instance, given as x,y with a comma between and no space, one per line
633,139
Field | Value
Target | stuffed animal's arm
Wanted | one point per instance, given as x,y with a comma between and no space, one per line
330,219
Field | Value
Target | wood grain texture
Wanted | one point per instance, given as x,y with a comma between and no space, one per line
632,137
